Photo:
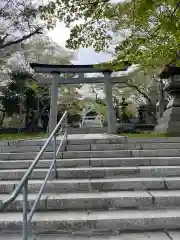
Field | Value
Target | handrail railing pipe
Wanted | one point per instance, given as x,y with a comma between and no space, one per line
27,216
87,118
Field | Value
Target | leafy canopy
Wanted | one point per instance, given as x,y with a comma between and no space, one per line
145,32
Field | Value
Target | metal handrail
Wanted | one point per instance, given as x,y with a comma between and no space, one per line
86,118
24,181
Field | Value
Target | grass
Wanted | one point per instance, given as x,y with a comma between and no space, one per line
21,136
146,135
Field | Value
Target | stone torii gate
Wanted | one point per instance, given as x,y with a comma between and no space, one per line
79,70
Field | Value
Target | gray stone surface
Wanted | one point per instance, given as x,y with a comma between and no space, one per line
171,117
101,147
123,220
154,140
166,198
123,161
17,174
22,164
159,171
124,236
174,235
81,147
26,156
131,146
93,162
96,154
156,153
126,184
18,149
95,172
172,182
61,186
7,186
110,172
109,189
88,185
110,200
164,161
14,164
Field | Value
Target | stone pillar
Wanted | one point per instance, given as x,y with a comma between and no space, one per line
161,104
170,121
53,104
110,108
160,108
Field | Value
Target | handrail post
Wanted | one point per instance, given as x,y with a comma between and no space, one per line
25,211
54,149
66,128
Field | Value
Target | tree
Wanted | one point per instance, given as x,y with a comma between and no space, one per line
18,22
71,100
145,32
18,97
142,88
96,90
42,49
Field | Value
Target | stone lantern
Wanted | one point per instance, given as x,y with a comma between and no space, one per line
170,121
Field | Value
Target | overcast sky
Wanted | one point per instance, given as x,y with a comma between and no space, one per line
84,55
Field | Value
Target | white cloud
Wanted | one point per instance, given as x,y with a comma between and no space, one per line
59,34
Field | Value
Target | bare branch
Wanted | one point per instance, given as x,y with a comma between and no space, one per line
139,91
3,38
25,37
3,9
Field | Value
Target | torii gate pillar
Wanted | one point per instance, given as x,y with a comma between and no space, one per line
111,113
53,104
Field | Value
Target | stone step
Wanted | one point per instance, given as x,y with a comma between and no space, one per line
160,235
95,185
27,155
153,140
122,153
126,146
111,221
98,200
93,147
124,139
86,201
94,162
36,149
85,139
94,154
95,172
78,140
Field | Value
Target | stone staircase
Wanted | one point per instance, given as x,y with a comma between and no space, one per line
105,187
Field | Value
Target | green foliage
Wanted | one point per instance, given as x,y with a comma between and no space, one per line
101,109
17,92
148,30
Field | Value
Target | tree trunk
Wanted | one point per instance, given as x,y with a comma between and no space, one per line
2,119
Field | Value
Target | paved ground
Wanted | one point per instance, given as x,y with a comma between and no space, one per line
171,235
91,136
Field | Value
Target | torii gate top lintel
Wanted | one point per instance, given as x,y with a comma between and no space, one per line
56,68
